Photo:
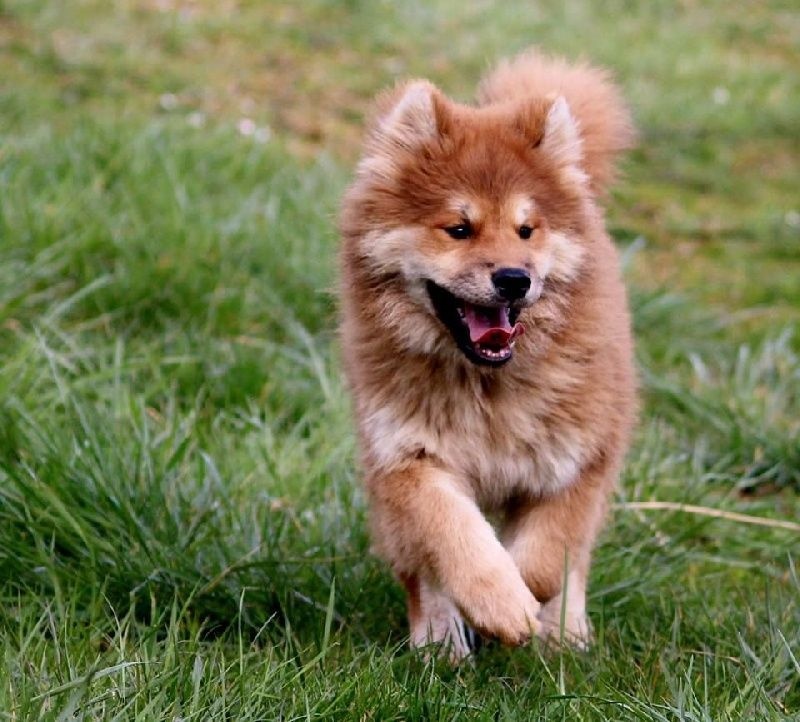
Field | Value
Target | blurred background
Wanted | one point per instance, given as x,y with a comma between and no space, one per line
179,506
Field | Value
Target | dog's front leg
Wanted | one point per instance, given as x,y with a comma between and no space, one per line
440,544
544,535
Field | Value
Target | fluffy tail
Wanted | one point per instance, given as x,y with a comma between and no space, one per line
603,119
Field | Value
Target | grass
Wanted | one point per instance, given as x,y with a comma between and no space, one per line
182,533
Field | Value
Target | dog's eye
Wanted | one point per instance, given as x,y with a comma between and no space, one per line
459,232
525,232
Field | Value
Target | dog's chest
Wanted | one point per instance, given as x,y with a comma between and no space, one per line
516,452
500,451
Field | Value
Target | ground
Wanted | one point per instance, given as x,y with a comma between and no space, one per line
182,534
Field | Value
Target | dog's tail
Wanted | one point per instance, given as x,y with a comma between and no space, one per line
604,123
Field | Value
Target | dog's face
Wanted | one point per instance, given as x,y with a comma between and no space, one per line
476,210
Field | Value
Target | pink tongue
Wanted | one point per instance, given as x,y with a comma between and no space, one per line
490,326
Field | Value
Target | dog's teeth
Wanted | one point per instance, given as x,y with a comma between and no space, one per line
494,355
491,354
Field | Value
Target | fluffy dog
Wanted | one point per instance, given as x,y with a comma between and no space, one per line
487,343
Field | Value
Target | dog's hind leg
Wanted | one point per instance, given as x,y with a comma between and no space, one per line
435,620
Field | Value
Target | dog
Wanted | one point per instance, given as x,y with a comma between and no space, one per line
486,341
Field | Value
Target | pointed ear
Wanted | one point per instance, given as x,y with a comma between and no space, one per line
561,139
418,115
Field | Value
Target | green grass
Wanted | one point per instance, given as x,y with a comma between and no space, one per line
182,533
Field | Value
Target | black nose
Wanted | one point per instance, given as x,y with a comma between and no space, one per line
511,283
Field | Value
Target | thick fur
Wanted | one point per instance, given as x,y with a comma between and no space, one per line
537,443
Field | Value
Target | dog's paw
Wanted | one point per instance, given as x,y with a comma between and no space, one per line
576,631
440,630
454,646
570,603
507,613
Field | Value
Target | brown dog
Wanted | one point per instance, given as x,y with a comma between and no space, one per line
487,343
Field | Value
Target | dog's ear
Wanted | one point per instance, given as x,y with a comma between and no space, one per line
410,115
548,124
406,117
560,138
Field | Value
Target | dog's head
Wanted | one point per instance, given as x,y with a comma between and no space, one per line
476,210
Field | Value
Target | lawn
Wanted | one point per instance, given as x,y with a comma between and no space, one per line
182,532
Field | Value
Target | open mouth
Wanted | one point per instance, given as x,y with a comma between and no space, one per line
485,334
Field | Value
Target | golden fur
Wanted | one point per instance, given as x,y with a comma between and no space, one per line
537,443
